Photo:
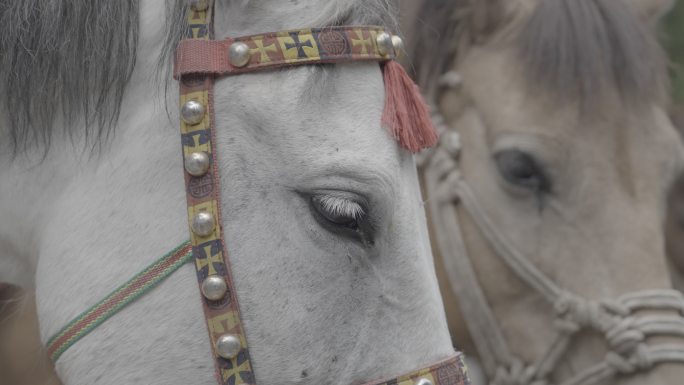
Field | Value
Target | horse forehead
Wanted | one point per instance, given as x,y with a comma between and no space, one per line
308,109
510,104
639,150
249,17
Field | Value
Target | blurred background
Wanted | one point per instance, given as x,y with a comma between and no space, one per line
673,40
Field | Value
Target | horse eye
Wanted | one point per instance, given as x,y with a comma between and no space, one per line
522,169
338,211
344,214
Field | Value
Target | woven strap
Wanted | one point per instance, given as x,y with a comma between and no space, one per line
452,371
83,324
279,49
203,195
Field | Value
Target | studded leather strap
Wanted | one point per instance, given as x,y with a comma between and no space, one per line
284,48
451,371
228,342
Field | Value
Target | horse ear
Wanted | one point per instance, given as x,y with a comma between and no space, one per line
652,10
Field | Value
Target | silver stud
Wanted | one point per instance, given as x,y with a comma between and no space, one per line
197,163
398,45
238,53
203,224
423,381
192,112
199,5
228,346
384,41
214,287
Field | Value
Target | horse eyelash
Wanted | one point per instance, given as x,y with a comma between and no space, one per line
341,206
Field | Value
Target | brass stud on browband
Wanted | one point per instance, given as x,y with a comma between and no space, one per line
384,41
228,346
214,287
192,112
238,54
203,224
398,45
197,163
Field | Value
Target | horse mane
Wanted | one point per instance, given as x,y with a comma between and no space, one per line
66,64
66,59
580,50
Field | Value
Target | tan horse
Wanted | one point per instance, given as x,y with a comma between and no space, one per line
552,176
674,234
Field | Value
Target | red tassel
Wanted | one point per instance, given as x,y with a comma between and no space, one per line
406,114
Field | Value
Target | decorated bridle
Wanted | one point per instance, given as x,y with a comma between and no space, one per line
200,60
620,321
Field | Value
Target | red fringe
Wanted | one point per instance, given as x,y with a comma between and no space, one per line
406,114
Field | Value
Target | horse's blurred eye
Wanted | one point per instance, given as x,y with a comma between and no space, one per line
338,211
343,214
523,170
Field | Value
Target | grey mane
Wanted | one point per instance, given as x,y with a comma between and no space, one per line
579,49
66,63
64,59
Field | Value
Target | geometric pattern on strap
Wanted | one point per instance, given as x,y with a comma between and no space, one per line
280,49
452,371
222,314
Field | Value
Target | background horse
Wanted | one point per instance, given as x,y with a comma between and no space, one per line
322,209
674,25
674,225
554,116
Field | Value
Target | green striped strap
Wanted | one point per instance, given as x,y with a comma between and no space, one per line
143,282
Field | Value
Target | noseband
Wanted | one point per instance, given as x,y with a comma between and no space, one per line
625,330
200,60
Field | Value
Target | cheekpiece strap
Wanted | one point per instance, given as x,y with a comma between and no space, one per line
285,48
221,311
452,371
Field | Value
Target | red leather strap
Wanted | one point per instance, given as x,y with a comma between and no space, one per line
452,371
279,49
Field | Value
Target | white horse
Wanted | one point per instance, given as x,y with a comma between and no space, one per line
331,293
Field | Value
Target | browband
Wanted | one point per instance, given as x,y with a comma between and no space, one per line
279,49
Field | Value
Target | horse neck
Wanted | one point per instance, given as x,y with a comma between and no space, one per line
107,214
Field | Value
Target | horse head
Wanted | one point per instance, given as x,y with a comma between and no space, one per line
556,159
324,225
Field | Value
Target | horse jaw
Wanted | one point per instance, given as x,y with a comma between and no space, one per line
317,307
